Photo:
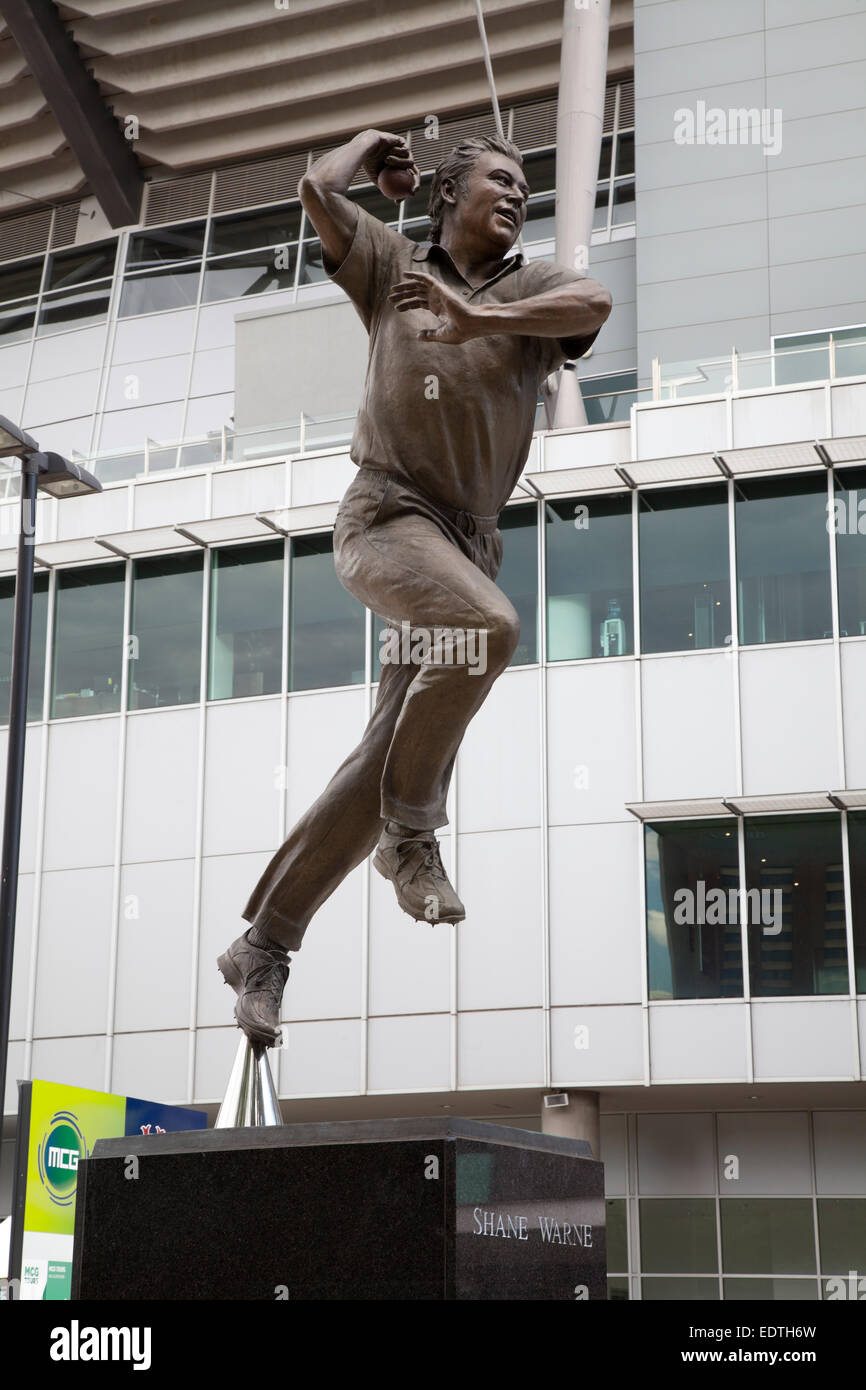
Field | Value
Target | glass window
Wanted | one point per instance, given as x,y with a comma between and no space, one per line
38,629
623,202
770,1290
842,1235
328,625
255,272
605,157
806,356
767,1235
849,523
66,268
249,231
88,641
246,621
694,948
154,292
609,397
678,1235
624,155
617,1290
376,203
20,280
165,631
617,1234
417,231
74,308
518,577
857,851
589,578
16,322
540,171
685,593
797,941
312,269
680,1290
602,207
166,245
416,206
540,219
783,559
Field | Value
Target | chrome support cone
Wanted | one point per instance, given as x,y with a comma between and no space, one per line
251,1096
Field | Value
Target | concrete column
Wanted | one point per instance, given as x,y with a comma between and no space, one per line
577,1120
579,123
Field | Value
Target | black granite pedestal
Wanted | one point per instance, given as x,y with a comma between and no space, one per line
388,1209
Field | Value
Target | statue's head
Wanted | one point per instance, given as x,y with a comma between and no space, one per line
479,194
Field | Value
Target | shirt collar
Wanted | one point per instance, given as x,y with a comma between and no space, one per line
424,251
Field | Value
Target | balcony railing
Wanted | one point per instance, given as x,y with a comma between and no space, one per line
752,371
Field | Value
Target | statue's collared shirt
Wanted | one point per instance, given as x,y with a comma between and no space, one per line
455,419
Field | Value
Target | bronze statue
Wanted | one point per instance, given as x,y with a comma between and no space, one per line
461,338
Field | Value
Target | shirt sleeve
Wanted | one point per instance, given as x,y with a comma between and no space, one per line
365,271
543,276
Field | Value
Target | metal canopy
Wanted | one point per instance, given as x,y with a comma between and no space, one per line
564,481
701,807
127,544
105,157
671,470
285,520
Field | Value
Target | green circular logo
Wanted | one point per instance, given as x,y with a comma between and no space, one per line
61,1149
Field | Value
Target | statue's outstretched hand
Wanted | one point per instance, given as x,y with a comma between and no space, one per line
457,319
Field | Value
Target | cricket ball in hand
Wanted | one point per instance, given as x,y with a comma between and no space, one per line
396,184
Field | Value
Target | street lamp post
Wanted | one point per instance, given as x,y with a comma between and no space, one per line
58,477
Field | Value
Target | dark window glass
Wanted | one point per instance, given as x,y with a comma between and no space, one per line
849,523
165,631
312,269
417,231
624,155
539,170
602,202
857,850
256,272
680,1290
797,941
328,625
608,398
617,1290
605,157
166,245
518,577
74,307
163,289
616,1234
17,323
842,1235
623,202
783,559
416,206
67,268
38,629
249,231
246,621
694,942
540,219
767,1235
678,1235
375,203
770,1290
684,569
88,641
19,281
589,578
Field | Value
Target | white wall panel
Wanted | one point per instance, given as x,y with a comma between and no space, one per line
161,785
15,1072
788,714
151,1066
22,956
840,1146
243,782
499,946
98,514
595,922
81,793
146,383
60,398
147,336
500,1048
698,1042
70,1061
853,686
665,431
215,1051
798,1040
409,966
591,742
849,409
323,730
782,417
587,448
226,884
72,967
591,1045
322,479
169,501
676,1155
321,1058
861,1028
499,784
30,799
688,726
772,1153
613,1154
325,979
154,952
239,491
409,1054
